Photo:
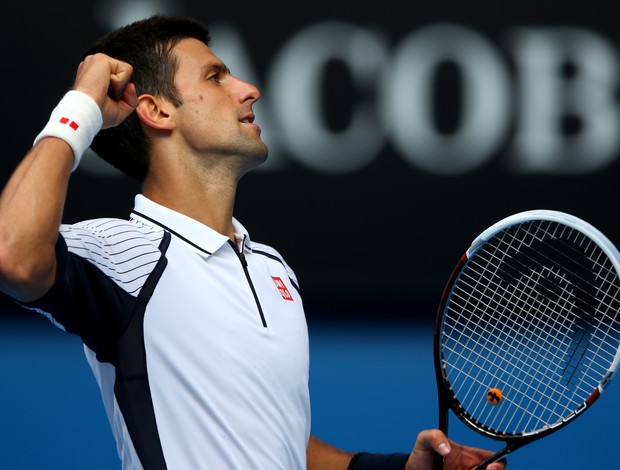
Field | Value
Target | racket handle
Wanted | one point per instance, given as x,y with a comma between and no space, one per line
495,457
438,462
442,424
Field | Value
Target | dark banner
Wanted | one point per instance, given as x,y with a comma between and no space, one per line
397,130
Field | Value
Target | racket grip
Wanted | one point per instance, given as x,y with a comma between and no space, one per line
438,462
500,455
442,424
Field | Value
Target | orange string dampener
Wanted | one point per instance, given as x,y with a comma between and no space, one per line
494,396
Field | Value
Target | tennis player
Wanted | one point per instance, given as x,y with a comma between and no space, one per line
195,332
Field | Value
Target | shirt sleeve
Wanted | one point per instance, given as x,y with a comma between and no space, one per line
84,301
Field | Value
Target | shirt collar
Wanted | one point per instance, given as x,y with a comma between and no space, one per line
197,235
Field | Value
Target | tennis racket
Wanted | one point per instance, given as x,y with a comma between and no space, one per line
528,330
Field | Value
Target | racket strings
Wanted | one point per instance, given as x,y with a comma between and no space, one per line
608,299
496,317
516,291
527,379
567,254
511,356
499,261
582,334
605,274
532,302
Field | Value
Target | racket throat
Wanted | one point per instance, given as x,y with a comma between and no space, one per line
497,456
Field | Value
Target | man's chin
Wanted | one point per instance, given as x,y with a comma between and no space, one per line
256,160
262,155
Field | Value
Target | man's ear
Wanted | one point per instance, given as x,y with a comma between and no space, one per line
154,112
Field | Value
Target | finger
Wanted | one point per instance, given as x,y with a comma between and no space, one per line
102,77
436,440
116,111
130,96
428,444
499,465
120,75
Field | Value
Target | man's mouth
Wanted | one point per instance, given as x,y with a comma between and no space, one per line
248,119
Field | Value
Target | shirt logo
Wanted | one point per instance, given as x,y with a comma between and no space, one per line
286,295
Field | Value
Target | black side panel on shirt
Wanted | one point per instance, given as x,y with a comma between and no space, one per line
131,389
110,322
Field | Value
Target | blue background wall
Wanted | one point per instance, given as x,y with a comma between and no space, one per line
372,386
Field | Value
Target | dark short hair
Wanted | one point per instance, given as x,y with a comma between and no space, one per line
147,46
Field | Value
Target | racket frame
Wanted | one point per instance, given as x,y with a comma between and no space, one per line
447,400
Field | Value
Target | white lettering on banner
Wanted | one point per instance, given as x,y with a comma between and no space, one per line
407,108
519,111
545,97
295,94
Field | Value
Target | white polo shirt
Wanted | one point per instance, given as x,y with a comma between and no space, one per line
199,345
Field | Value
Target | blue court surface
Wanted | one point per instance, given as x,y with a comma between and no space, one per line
372,386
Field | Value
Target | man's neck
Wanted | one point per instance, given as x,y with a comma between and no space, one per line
210,203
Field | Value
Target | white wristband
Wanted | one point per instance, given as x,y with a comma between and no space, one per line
76,120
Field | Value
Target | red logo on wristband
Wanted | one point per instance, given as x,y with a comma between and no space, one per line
72,124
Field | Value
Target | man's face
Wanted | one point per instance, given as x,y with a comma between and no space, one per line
216,117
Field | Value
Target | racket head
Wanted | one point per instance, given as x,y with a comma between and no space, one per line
528,330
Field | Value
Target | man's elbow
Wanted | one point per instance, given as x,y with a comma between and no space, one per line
25,278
